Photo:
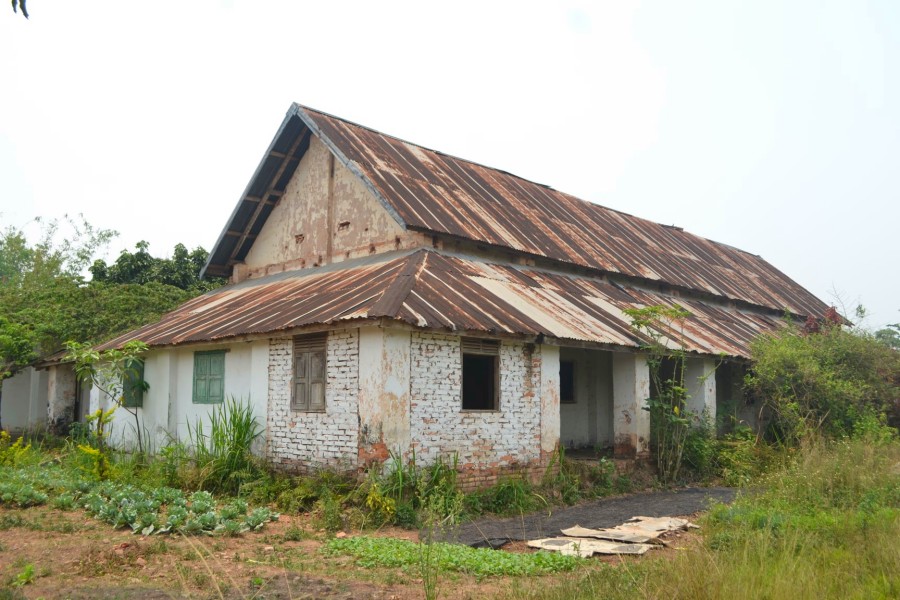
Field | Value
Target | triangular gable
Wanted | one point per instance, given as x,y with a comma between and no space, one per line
268,185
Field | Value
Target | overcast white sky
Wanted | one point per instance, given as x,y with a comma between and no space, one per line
770,126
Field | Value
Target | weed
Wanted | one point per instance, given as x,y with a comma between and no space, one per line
13,453
24,577
480,562
224,456
824,525
296,534
511,496
329,513
65,501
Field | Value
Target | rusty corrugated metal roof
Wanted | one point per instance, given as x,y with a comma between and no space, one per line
434,192
433,290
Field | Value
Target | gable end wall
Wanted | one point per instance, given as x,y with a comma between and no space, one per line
326,215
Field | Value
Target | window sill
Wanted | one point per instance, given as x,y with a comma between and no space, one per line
480,410
306,411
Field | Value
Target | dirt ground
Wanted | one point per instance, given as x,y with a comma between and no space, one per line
74,556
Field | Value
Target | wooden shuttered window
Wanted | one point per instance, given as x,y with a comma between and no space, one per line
480,374
209,377
133,385
309,373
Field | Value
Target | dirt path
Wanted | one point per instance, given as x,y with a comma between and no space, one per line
606,512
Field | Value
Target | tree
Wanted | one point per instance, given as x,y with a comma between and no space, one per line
39,287
21,6
669,420
889,336
46,301
181,271
110,372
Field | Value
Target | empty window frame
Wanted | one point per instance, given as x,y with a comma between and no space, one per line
567,381
309,373
133,384
480,374
209,377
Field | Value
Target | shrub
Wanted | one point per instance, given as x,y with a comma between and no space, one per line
511,496
824,378
12,453
700,452
301,494
740,457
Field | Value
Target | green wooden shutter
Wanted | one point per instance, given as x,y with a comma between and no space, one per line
133,385
209,377
217,377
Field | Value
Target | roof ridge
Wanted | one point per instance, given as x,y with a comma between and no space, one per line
531,181
396,294
435,150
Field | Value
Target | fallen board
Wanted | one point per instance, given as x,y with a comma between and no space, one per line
660,524
586,548
638,530
615,535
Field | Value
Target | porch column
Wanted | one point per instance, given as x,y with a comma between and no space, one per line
700,380
61,398
549,400
631,389
384,394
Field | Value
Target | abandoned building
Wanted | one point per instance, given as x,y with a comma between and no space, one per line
387,298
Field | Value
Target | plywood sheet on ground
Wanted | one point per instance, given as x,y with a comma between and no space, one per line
586,548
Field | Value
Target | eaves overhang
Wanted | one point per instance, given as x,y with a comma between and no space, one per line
268,185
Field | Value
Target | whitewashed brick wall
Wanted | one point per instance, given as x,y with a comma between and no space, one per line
494,440
305,441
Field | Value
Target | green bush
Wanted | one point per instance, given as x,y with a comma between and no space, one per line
823,380
12,453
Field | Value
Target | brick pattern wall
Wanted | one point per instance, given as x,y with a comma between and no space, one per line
487,444
305,441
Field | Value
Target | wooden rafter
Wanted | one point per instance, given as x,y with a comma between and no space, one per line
264,199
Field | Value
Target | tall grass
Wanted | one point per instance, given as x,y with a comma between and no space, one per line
825,526
223,457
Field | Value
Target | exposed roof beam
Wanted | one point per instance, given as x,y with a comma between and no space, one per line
269,191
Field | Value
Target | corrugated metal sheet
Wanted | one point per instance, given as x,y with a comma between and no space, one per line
433,290
435,192
429,191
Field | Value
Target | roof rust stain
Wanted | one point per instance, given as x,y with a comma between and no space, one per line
439,193
430,289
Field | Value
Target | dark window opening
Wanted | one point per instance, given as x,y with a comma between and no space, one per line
480,374
567,381
669,375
